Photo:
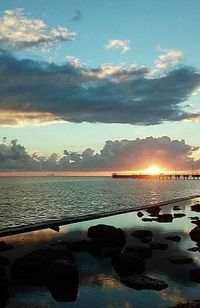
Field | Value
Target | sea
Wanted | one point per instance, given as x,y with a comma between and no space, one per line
27,200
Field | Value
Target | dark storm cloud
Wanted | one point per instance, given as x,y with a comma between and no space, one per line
115,155
106,94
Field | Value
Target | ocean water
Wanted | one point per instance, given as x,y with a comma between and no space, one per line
25,200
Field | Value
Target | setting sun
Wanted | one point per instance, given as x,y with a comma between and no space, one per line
153,170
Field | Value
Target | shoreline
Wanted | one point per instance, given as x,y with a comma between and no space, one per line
76,219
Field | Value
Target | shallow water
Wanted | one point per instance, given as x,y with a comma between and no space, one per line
25,200
100,285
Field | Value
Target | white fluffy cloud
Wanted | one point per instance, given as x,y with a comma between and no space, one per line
19,32
122,45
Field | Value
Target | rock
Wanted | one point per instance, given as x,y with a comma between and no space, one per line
165,218
179,215
128,264
104,252
145,236
193,249
140,282
189,304
196,222
149,219
53,267
154,210
195,234
195,207
194,218
105,235
142,251
177,208
158,246
4,261
174,238
140,214
4,246
195,275
4,287
179,259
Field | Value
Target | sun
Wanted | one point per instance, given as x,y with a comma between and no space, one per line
153,170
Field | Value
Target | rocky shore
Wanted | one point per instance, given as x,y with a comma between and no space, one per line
140,258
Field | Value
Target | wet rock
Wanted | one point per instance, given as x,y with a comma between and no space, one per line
195,275
196,222
4,261
4,287
194,218
158,246
189,304
195,207
142,251
179,259
177,208
149,219
154,210
4,246
128,264
179,215
165,218
175,238
145,236
104,252
193,249
106,235
52,267
140,282
140,214
195,234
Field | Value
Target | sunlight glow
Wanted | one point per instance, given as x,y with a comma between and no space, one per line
153,170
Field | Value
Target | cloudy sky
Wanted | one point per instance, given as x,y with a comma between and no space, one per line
99,85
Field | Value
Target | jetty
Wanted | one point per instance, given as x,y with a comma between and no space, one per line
160,176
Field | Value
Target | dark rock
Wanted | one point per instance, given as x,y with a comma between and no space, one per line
165,218
179,259
193,249
158,246
128,264
104,252
189,304
140,282
154,210
4,287
105,235
196,222
4,246
177,208
55,228
195,275
195,234
179,215
4,261
145,236
174,238
149,219
52,267
195,207
194,218
142,251
140,214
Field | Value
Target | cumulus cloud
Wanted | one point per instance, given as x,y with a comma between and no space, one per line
115,156
168,58
77,16
45,92
19,32
122,45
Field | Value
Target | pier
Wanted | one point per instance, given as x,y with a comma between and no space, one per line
160,176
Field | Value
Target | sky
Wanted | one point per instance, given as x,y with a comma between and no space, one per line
99,85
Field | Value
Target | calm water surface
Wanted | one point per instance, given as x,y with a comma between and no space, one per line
25,200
